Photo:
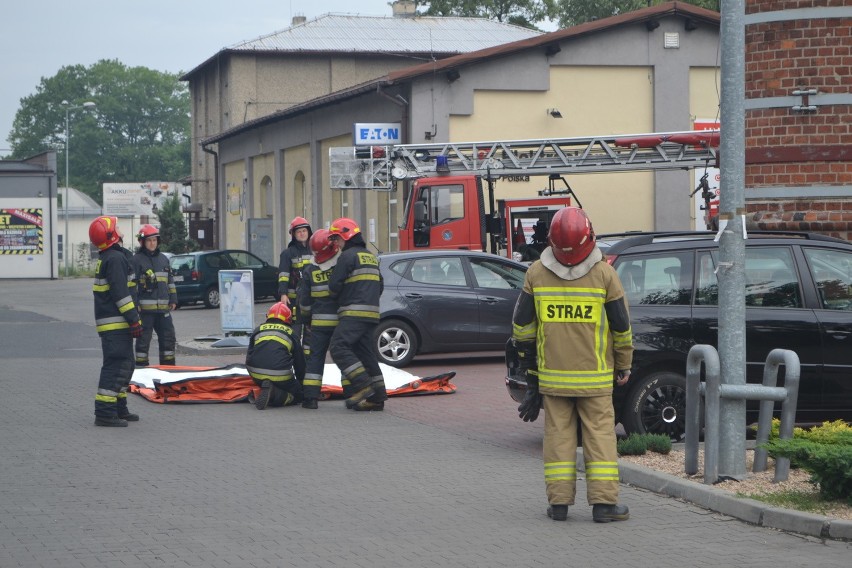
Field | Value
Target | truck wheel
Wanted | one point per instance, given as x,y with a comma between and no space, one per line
657,405
211,297
396,343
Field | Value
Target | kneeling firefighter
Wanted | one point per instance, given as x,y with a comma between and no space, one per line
571,330
275,360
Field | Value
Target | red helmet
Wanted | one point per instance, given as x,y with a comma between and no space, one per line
344,228
571,236
103,232
280,311
146,231
299,223
322,246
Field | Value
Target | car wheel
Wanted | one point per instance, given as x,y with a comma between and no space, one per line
657,405
396,343
211,297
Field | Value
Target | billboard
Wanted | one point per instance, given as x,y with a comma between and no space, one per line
21,231
132,199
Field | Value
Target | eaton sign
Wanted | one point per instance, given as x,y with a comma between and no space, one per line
377,133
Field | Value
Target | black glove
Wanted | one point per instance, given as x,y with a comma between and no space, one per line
136,329
530,406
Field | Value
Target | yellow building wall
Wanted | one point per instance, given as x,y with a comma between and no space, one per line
297,186
263,167
704,92
234,211
593,101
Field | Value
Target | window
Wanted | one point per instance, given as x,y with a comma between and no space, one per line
497,275
832,272
244,260
770,275
445,203
662,279
445,271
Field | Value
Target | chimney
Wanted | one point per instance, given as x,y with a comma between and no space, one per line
404,9
300,19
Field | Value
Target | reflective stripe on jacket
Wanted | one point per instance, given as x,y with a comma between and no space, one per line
318,307
357,284
115,308
155,282
274,353
292,260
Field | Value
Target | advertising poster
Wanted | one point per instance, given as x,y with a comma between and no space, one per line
132,199
236,293
21,231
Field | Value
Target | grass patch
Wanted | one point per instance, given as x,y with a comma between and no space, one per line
807,501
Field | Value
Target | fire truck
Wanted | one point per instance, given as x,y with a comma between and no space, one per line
446,207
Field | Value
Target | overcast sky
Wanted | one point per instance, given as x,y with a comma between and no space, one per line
38,38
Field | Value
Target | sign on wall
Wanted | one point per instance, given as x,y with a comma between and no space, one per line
21,231
377,133
131,199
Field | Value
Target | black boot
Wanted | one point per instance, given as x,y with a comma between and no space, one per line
360,395
369,406
310,404
110,421
262,400
608,513
129,416
558,512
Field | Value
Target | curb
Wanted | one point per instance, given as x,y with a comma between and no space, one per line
204,348
748,510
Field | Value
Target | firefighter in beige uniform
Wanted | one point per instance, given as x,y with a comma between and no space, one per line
571,329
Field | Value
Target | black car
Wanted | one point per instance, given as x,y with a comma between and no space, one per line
445,301
798,297
196,275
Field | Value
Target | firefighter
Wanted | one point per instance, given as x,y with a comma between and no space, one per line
275,360
356,283
571,329
319,312
117,322
292,260
157,297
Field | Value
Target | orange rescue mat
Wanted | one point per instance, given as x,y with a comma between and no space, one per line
232,383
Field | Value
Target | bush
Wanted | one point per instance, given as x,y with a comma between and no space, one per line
659,443
830,465
633,445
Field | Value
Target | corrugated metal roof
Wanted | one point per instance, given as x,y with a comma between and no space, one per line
347,33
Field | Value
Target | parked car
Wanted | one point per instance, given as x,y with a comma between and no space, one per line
798,296
445,301
197,275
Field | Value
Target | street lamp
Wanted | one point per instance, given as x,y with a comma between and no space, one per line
65,239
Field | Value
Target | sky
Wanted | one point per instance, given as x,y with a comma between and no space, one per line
39,38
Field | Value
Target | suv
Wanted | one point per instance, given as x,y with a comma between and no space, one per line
798,296
197,275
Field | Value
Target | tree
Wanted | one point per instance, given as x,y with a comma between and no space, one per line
139,131
524,13
173,235
573,12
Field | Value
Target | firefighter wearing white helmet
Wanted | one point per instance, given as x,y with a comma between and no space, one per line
571,330
157,297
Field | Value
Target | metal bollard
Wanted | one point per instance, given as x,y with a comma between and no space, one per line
792,372
697,354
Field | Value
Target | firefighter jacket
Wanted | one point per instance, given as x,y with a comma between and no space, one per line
275,354
356,282
114,291
317,306
580,325
155,282
290,264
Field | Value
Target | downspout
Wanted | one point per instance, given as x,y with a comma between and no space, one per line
215,191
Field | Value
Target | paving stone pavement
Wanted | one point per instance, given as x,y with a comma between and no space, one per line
224,485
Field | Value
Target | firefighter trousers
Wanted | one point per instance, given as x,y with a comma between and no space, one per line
597,420
320,339
116,371
164,325
353,351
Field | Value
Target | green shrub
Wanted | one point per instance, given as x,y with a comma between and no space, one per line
830,465
659,443
633,445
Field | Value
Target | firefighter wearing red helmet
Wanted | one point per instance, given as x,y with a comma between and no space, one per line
319,312
571,331
157,297
291,262
116,320
356,284
275,360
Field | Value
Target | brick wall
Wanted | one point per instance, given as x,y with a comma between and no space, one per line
786,148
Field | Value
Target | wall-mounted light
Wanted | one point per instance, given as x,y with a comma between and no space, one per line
453,75
651,25
554,112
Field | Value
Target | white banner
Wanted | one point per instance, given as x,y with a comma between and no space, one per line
131,199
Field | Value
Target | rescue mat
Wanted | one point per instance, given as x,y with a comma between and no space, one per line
232,383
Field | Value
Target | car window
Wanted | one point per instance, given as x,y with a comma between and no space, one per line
182,263
242,259
495,274
437,270
770,275
832,272
656,279
398,267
